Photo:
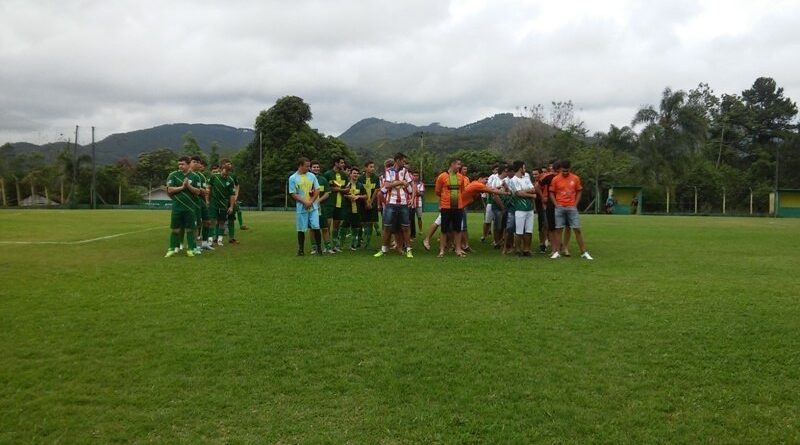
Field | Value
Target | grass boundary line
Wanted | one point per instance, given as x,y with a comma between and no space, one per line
84,241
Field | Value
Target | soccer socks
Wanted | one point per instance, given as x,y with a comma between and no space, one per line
367,235
239,217
231,230
317,239
342,236
174,241
355,235
190,242
301,241
205,231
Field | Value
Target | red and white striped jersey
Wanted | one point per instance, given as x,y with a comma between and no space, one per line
397,195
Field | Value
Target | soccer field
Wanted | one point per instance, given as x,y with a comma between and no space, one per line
683,330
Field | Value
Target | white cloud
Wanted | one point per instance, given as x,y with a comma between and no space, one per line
126,65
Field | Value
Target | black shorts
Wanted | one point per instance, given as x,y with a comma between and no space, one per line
452,220
542,220
339,213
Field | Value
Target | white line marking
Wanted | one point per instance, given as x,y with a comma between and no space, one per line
83,241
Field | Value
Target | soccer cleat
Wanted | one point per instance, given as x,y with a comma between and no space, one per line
300,253
409,254
233,241
170,253
379,254
354,248
586,256
197,251
207,247
566,253
555,255
314,252
483,239
244,228
189,253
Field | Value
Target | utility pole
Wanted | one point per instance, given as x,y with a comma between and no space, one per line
94,174
421,152
260,170
74,167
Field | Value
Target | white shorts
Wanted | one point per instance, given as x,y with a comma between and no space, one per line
488,218
438,221
523,220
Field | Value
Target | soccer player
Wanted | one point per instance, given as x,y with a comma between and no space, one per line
565,194
369,216
198,166
337,180
324,202
488,218
223,200
399,194
183,186
544,182
449,188
356,195
523,194
303,187
464,226
232,217
418,204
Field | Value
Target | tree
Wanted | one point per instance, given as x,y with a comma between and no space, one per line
153,167
480,162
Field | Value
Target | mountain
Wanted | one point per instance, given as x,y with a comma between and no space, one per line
372,129
131,144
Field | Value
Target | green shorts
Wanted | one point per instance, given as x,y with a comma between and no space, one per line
183,219
218,214
204,215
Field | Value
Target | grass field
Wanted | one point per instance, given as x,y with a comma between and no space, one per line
683,330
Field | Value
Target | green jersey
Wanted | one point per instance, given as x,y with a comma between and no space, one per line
222,188
184,199
371,183
336,179
203,185
324,188
355,188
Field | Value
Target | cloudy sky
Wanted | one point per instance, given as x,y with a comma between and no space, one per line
126,65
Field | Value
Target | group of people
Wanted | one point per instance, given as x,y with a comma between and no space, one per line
204,206
346,201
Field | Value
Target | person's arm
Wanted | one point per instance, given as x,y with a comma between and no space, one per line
553,198
172,188
578,197
190,187
437,187
231,203
323,197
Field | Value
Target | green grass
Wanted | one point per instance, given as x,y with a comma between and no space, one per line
683,330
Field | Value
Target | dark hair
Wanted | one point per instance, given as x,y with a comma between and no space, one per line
224,161
214,166
301,160
517,165
366,164
337,159
556,165
185,159
399,155
354,169
504,167
565,164
315,162
196,159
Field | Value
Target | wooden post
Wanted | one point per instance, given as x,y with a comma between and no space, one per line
695,200
751,201
19,195
723,200
119,199
46,196
62,191
667,199
3,191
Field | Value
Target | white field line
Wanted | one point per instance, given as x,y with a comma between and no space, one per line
83,241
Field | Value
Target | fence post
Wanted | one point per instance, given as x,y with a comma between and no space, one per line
46,197
119,195
695,200
19,195
3,191
751,201
62,192
667,199
723,200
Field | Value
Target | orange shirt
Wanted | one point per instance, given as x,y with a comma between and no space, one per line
471,191
450,195
566,189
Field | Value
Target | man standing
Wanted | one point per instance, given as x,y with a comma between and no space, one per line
303,187
337,180
232,217
324,202
523,194
183,186
369,216
565,194
399,196
356,195
198,166
488,218
420,187
449,188
223,200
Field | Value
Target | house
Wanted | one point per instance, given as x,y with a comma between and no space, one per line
37,200
157,197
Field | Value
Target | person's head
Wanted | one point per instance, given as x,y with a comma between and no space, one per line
315,167
399,160
463,170
455,166
505,170
184,164
535,173
564,167
518,167
215,168
195,163
303,164
354,174
347,170
415,175
369,168
387,164
224,170
552,166
482,179
226,162
495,169
338,163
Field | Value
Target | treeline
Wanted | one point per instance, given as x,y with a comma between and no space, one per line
732,145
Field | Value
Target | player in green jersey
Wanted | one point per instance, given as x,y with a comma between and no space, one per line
198,165
354,208
372,185
183,186
325,206
232,217
223,200
337,180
